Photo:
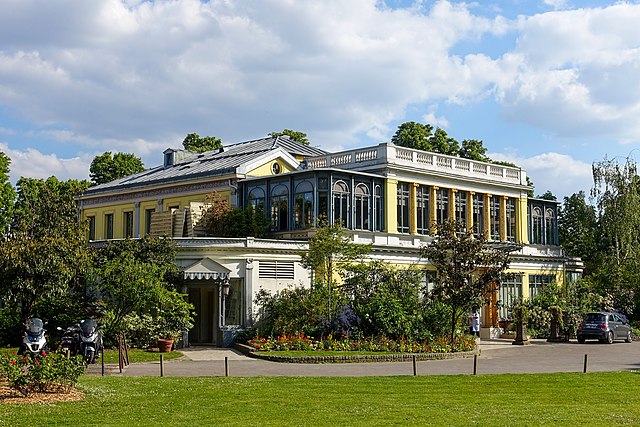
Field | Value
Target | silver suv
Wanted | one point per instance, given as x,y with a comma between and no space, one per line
605,326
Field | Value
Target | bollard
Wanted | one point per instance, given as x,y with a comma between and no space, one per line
102,363
161,365
415,371
475,364
68,353
226,366
584,369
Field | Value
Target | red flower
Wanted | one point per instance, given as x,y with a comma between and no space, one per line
37,362
44,354
13,362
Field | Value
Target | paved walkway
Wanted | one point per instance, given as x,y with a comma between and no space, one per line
496,357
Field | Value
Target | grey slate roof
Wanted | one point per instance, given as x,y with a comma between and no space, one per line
210,163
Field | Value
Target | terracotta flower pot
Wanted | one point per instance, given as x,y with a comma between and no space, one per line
164,345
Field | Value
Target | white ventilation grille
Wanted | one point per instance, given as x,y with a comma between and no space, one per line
276,270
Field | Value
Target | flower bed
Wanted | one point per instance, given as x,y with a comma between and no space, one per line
50,373
305,343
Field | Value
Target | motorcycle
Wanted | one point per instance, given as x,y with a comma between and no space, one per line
34,340
70,341
90,340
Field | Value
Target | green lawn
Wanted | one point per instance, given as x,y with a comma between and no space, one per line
136,355
611,398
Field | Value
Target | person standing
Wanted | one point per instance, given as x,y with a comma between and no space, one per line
474,322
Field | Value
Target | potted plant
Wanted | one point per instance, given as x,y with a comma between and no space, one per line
520,314
173,317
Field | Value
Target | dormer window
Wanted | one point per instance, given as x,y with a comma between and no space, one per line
168,158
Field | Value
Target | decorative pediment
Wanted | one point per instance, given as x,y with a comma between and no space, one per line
206,269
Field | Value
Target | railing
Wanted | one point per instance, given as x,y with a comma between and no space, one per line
391,154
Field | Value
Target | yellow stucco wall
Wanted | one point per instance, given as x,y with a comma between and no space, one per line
391,206
266,169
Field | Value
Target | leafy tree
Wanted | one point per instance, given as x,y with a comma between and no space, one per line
385,300
467,268
105,168
193,142
548,195
297,136
330,253
414,135
443,143
473,149
221,220
7,194
46,251
578,229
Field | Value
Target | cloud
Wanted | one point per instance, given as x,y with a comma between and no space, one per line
560,173
31,163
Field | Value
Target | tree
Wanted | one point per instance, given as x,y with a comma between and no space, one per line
578,229
548,195
414,135
105,168
330,253
473,149
297,136
7,194
193,142
46,251
467,268
443,143
221,220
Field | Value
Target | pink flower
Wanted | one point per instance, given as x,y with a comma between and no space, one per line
44,354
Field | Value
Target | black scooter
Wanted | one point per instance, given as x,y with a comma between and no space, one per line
70,341
90,340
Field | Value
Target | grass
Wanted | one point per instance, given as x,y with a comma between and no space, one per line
135,355
611,398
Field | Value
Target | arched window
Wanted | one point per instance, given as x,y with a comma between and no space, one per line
256,198
341,203
378,208
536,225
363,204
279,208
549,227
304,205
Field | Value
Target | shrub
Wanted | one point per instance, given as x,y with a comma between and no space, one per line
42,373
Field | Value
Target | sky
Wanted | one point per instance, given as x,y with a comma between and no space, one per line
551,85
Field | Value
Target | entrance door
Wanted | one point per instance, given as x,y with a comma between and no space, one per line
205,325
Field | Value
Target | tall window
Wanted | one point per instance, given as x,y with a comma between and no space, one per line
279,208
403,207
494,221
147,220
442,205
323,198
108,226
510,207
536,225
363,202
478,215
549,227
341,203
537,282
304,205
256,199
510,291
127,226
379,208
422,209
92,227
461,208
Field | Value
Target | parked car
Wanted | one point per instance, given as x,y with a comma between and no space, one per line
605,326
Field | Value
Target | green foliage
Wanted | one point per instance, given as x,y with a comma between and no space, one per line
139,330
221,220
297,136
10,330
7,194
473,149
414,135
46,251
193,142
43,373
172,315
467,267
105,168
578,230
385,300
548,195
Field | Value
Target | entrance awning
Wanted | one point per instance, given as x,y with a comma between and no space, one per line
207,269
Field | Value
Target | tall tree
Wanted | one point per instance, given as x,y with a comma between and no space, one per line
578,229
473,149
414,135
467,268
46,249
548,195
105,168
7,194
443,143
297,136
193,142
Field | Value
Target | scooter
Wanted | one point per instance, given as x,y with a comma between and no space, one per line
34,341
90,340
70,341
